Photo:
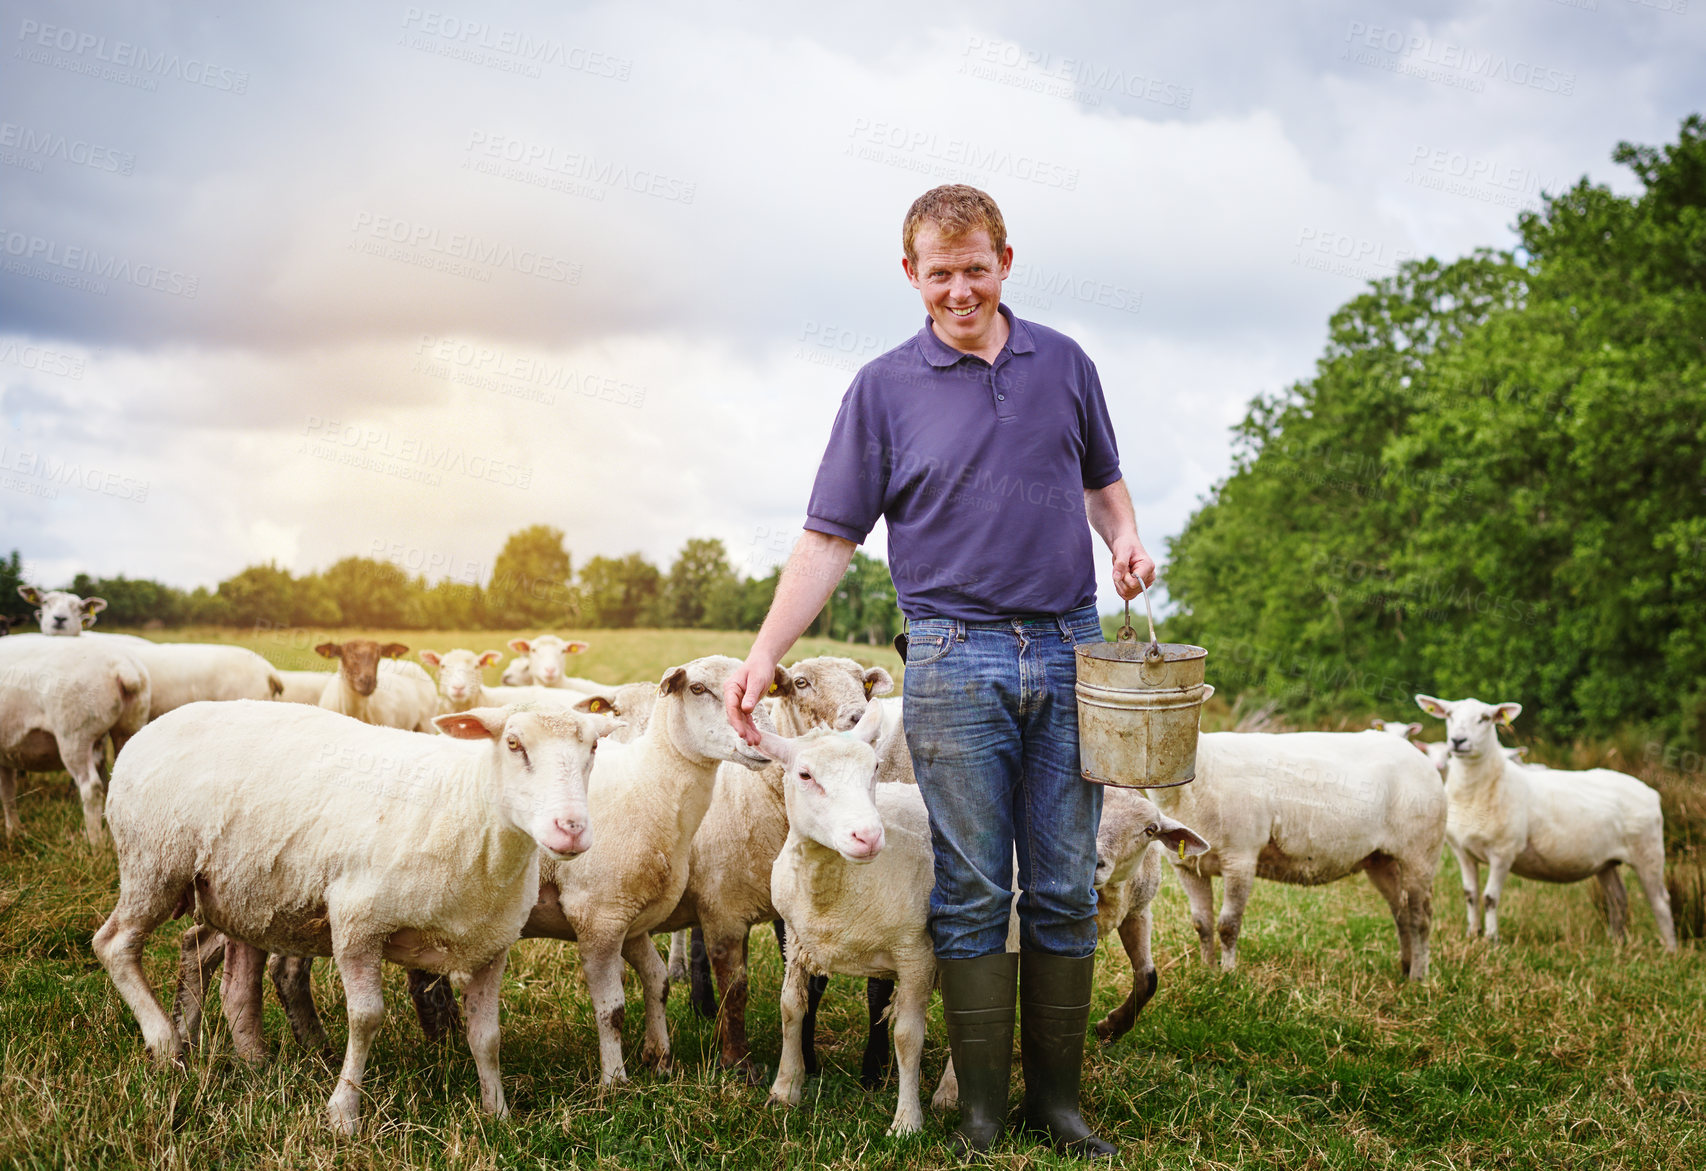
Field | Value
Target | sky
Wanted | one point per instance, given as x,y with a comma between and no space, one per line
303,282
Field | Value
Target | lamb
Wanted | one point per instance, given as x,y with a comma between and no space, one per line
1308,808
460,687
183,672
295,831
651,793
545,661
852,883
396,695
304,686
1547,824
62,613
60,699
728,876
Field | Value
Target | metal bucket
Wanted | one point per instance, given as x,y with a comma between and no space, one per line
1139,706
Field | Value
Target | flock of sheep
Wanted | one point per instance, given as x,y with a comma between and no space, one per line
556,806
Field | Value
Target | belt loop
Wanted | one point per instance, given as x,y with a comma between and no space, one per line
959,630
1065,628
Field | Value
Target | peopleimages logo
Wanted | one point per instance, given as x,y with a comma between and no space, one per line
120,61
463,247
88,269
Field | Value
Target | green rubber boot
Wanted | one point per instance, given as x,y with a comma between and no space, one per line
977,1006
1054,1008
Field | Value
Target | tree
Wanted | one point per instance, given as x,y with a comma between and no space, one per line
616,591
530,581
373,593
700,584
11,577
261,595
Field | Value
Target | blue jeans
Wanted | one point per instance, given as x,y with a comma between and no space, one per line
992,724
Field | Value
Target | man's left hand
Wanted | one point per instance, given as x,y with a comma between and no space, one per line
1133,568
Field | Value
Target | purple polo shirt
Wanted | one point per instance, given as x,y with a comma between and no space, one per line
979,469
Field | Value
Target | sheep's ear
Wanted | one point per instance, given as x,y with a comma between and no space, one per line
673,682
777,747
782,682
1412,730
604,725
595,705
30,594
92,606
393,650
1378,724
431,659
575,647
870,723
490,658
1520,751
878,682
519,646
481,723
329,650
1434,707
1181,839
1505,713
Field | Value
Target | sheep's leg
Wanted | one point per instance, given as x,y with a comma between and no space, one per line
727,947
680,943
791,1070
701,994
435,1003
240,998
1616,900
1135,933
200,952
1649,865
292,979
639,951
84,767
601,961
118,945
1383,873
480,996
1470,872
365,998
1237,882
947,1095
912,998
1498,869
875,1062
1421,889
1199,889
9,800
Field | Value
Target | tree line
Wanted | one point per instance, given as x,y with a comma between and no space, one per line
531,585
1493,484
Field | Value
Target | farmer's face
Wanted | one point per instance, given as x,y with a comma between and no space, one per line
959,278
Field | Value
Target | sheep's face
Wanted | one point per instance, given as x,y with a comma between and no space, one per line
542,763
828,692
62,613
1131,822
1471,727
459,679
690,698
632,703
546,657
358,660
517,674
1394,728
830,786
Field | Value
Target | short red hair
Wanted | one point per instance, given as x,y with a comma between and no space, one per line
956,210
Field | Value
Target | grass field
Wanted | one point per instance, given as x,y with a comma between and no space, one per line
1555,1049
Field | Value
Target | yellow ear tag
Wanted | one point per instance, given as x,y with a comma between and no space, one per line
1181,849
772,690
598,704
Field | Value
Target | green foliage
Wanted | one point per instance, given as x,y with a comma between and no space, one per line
11,577
700,584
530,580
1492,484
372,593
616,591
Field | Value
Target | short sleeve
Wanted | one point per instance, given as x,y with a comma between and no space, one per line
1101,463
852,479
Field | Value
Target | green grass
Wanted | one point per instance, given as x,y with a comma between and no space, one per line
1555,1049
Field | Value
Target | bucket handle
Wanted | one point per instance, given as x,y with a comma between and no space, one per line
1152,655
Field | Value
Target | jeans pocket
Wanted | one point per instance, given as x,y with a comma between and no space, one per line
925,649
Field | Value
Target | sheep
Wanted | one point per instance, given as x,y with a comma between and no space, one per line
728,877
852,883
1308,808
517,674
60,699
651,794
1405,732
460,687
545,656
362,843
1547,824
304,686
459,682
183,672
397,695
62,613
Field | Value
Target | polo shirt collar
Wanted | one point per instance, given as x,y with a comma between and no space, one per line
940,354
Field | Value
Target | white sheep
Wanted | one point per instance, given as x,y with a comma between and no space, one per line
1309,808
546,655
460,687
648,796
295,831
184,672
60,699
1547,824
61,612
395,695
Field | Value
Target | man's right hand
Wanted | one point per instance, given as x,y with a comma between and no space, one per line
742,692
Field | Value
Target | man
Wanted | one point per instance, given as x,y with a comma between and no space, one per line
985,443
